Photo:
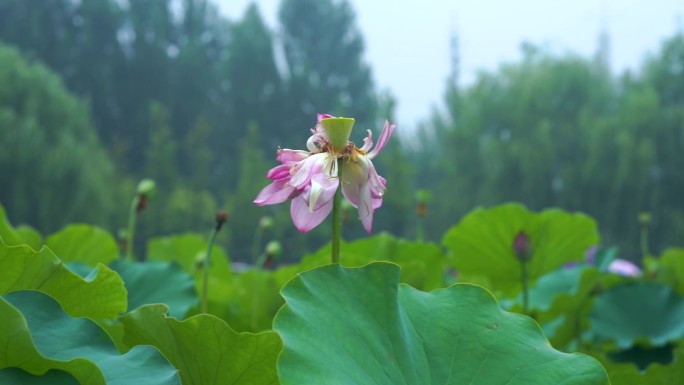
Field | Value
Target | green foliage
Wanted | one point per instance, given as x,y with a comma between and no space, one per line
157,282
219,355
38,336
51,377
482,244
100,295
342,325
189,251
57,168
638,312
655,374
562,131
85,244
670,269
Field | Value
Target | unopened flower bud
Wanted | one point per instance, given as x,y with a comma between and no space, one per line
644,219
221,218
274,249
522,247
266,223
199,260
147,187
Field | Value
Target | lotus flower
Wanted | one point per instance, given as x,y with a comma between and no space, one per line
310,178
624,268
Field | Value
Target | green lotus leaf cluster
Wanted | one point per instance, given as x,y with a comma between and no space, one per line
481,245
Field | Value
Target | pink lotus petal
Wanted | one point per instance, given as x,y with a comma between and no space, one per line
384,138
366,207
279,172
310,166
304,220
276,192
320,117
322,191
292,156
367,142
624,268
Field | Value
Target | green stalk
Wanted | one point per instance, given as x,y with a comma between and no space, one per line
523,279
256,244
644,242
419,230
205,266
337,217
132,216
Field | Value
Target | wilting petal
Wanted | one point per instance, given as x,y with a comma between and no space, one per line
367,142
322,191
353,176
366,207
310,166
276,192
382,141
305,220
377,182
279,172
286,156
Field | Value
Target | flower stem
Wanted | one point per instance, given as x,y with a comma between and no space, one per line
644,242
523,279
205,267
337,217
132,217
420,231
256,245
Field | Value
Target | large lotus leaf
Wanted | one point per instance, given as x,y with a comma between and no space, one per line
205,349
671,269
36,336
360,326
30,236
14,376
422,264
8,234
86,244
638,311
548,287
482,244
157,282
100,295
247,301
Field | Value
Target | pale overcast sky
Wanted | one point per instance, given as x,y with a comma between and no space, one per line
408,48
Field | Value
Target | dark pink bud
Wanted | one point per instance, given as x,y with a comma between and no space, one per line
522,246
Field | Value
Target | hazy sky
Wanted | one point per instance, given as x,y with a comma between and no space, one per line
407,41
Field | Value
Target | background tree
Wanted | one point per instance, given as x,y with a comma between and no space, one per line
54,168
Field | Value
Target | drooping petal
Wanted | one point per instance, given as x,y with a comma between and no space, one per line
354,174
276,192
366,207
307,168
367,142
387,131
279,172
304,220
375,180
322,191
287,156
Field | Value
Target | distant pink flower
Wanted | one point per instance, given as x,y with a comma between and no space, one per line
310,178
624,268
